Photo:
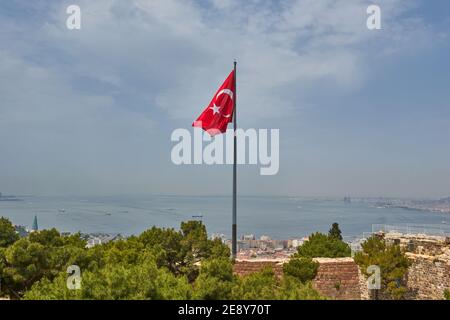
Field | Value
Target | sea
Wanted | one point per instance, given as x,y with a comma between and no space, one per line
277,217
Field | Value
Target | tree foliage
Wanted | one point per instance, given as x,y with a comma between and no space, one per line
41,255
303,269
335,232
261,285
159,264
323,246
8,234
447,294
293,289
215,281
390,259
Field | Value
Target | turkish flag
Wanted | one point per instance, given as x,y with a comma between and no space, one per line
219,113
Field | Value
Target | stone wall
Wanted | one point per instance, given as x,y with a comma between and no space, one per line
427,278
429,274
246,267
364,290
338,279
420,244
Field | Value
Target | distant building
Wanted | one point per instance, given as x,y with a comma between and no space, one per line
297,243
219,236
95,239
21,231
247,237
93,242
35,224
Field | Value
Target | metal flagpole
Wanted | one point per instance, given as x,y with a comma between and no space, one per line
234,226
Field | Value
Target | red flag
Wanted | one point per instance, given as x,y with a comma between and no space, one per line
219,113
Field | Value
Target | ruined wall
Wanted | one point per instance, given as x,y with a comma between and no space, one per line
364,290
246,267
429,274
336,278
427,278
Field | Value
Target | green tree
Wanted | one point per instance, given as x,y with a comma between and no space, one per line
260,285
42,254
47,238
390,259
129,251
159,264
335,232
52,290
180,251
8,234
23,263
291,288
265,285
215,281
217,249
166,244
142,281
447,294
320,245
303,269
195,242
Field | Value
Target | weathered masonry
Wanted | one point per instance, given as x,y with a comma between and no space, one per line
427,278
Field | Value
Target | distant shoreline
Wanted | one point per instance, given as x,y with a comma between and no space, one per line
10,199
419,209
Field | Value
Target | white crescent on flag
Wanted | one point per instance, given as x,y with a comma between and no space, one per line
230,94
225,91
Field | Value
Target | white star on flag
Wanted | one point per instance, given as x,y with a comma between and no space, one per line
215,109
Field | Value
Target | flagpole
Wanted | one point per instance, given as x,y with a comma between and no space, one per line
234,226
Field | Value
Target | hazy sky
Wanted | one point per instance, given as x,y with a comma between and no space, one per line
91,111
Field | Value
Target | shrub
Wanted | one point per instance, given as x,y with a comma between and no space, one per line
303,269
390,259
320,245
447,294
335,232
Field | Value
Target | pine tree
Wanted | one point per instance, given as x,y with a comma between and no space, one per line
335,232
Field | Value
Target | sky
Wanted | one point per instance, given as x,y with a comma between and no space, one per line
90,112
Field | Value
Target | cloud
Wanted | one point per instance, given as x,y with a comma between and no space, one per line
33,96
172,54
140,66
55,139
